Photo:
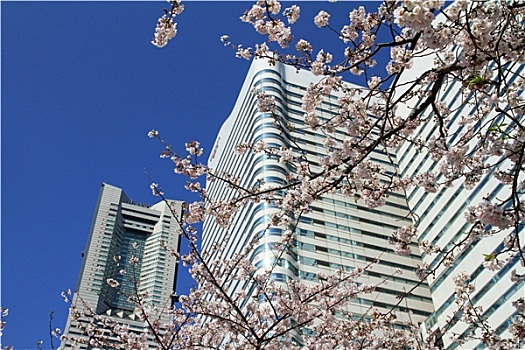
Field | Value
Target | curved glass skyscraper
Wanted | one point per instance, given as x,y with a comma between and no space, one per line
336,232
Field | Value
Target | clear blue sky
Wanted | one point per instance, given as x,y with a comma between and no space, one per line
81,87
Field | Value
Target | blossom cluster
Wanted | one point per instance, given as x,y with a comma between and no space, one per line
261,16
489,214
402,239
166,28
417,15
3,314
322,19
265,102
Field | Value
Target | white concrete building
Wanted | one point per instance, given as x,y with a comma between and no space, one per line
338,232
121,230
440,220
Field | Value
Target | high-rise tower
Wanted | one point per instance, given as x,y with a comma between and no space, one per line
337,232
125,245
441,221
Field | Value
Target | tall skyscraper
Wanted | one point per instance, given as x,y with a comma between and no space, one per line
124,246
338,232
440,219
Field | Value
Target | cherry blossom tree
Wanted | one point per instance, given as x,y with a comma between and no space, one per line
478,47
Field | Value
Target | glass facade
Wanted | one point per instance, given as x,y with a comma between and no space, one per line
336,232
